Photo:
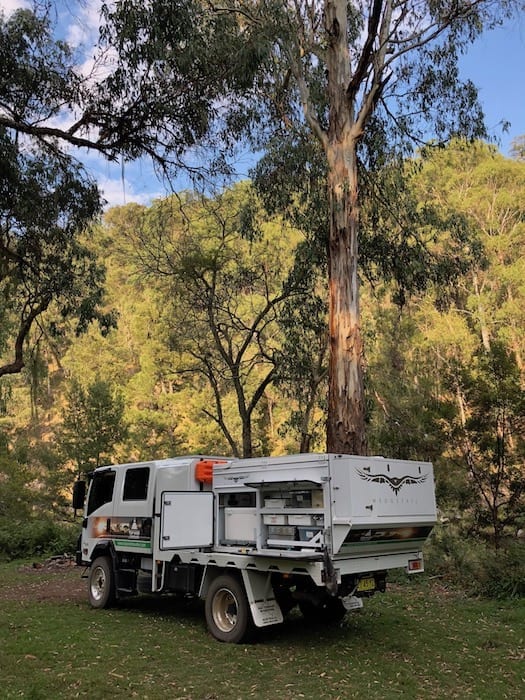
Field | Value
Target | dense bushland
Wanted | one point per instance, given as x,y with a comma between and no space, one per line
207,293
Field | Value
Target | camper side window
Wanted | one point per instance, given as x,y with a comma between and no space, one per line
136,484
101,490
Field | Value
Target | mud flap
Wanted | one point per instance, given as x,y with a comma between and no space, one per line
264,608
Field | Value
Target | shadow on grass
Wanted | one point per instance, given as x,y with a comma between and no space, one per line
295,630
168,607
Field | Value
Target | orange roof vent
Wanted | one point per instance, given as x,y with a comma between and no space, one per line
204,469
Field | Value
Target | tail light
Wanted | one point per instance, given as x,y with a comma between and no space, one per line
415,565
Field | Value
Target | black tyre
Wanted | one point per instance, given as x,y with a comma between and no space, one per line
101,583
227,611
329,610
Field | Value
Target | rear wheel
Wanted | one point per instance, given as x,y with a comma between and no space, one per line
101,583
227,611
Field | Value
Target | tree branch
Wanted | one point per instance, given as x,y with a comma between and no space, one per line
364,60
18,363
45,132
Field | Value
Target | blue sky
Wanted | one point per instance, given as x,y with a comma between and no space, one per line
495,63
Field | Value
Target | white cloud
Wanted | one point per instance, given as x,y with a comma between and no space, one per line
9,6
82,23
117,190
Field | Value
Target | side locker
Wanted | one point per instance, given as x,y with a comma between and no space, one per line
341,495
186,520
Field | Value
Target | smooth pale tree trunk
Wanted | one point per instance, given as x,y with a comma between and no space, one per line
346,405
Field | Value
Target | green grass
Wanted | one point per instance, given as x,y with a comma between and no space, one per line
416,641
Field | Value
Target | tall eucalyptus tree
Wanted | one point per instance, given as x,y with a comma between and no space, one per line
346,70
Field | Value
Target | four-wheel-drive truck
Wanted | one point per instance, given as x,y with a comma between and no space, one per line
254,537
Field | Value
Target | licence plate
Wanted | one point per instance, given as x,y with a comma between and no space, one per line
366,584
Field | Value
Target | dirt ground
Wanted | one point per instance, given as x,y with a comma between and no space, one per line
55,579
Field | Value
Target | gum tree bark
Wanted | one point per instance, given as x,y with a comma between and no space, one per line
346,402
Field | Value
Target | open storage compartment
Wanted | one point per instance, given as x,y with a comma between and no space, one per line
292,514
279,505
276,515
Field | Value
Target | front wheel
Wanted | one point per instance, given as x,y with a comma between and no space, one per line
227,611
101,583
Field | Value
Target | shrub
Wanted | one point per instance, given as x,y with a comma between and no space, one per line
476,567
22,539
503,572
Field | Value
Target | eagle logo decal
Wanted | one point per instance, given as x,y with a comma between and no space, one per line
396,483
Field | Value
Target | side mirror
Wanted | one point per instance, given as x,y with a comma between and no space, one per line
79,495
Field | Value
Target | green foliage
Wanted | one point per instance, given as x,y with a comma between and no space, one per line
490,438
476,341
349,73
211,305
172,85
47,273
302,368
30,506
502,573
158,96
45,203
36,537
38,76
225,278
409,239
92,425
475,567
290,179
15,500
182,52
444,369
406,418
